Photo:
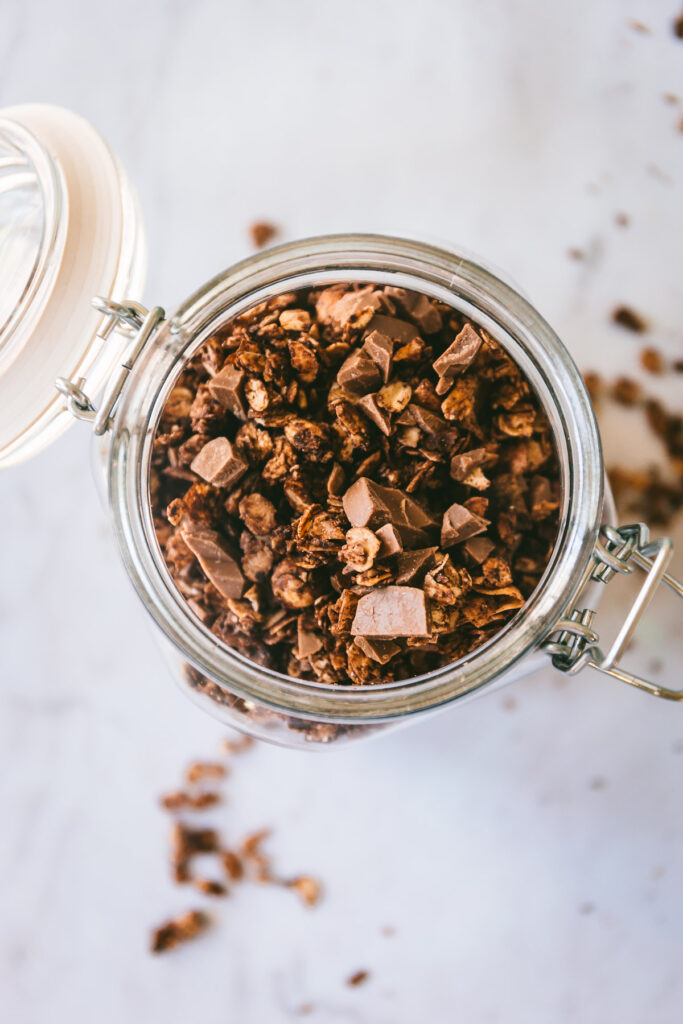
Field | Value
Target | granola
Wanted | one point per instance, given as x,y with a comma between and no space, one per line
354,484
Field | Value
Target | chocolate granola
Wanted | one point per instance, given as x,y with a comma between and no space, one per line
354,484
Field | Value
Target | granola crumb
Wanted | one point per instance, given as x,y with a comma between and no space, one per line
359,978
576,254
179,800
201,770
586,908
388,931
262,232
651,359
238,746
678,26
209,887
622,220
307,888
178,930
639,26
629,319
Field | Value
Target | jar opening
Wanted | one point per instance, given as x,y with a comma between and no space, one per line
475,293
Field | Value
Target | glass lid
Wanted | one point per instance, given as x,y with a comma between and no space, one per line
69,230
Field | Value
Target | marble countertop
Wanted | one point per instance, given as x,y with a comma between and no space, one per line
527,849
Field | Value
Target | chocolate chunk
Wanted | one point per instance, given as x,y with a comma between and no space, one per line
462,465
379,650
307,642
458,356
380,348
392,612
369,504
220,568
478,549
218,464
426,420
379,415
226,388
399,331
419,307
359,374
364,505
390,540
411,566
460,524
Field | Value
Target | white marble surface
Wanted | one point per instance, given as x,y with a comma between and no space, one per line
522,890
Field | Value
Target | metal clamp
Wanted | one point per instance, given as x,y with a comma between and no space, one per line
131,319
574,644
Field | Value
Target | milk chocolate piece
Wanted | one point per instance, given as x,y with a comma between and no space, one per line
458,356
380,348
359,374
219,567
226,388
390,540
369,504
426,420
217,463
392,612
398,330
307,642
363,504
478,549
379,416
419,307
411,566
462,465
379,650
460,524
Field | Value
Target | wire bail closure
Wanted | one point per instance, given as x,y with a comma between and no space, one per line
132,319
574,644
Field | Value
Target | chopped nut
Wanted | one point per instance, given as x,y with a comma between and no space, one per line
394,397
361,548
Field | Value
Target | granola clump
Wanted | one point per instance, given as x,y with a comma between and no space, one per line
354,484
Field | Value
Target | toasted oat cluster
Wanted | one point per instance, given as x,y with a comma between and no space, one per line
354,484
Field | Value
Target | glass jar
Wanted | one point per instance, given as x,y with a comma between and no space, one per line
556,622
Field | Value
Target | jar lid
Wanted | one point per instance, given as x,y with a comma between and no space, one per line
70,229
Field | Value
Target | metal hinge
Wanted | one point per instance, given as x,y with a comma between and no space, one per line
129,318
573,644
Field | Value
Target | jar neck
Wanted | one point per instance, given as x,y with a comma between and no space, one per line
475,292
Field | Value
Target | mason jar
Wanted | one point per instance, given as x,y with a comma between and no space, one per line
70,229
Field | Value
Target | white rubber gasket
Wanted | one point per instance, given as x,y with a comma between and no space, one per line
101,252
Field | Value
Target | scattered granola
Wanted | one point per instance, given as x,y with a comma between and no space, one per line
628,318
334,471
188,842
179,929
646,494
261,232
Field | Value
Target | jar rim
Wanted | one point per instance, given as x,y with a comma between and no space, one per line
466,285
